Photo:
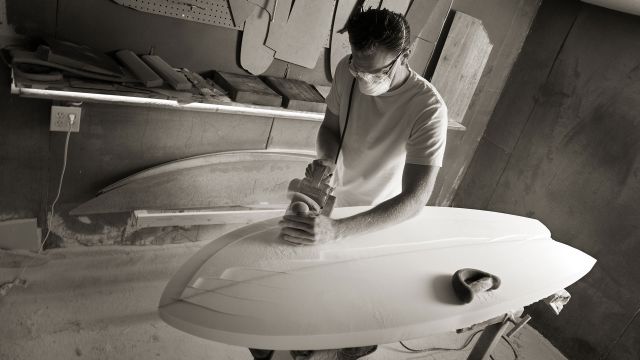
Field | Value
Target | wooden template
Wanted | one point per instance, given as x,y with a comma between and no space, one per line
251,289
399,6
303,36
297,94
340,42
207,182
168,73
247,89
255,56
461,64
240,11
144,73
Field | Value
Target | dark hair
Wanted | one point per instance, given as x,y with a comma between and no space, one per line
378,27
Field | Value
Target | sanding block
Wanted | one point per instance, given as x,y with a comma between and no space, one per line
469,282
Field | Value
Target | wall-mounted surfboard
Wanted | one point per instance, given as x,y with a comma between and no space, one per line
256,178
248,288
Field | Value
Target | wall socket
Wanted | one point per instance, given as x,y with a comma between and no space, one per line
61,116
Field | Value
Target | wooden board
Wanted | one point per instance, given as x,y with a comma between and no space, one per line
174,78
255,57
143,72
428,36
302,38
250,289
205,183
340,42
297,94
247,89
461,64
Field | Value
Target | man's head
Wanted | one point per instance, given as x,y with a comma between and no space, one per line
380,43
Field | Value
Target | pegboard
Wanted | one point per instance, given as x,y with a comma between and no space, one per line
213,12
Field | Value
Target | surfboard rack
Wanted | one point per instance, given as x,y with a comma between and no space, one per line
493,332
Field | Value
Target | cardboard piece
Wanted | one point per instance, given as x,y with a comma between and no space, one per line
247,89
297,94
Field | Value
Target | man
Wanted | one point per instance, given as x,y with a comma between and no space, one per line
393,142
386,127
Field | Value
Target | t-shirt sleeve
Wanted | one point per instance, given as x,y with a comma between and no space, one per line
340,78
428,137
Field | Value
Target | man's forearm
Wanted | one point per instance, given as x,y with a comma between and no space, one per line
388,213
327,144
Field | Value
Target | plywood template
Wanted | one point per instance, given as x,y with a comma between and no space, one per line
249,288
240,10
255,56
212,12
247,89
461,64
399,6
297,94
340,42
302,38
206,183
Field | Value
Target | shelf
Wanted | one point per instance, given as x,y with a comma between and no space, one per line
81,91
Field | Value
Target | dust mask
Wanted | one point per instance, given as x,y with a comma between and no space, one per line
376,84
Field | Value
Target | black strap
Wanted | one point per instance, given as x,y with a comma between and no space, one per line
346,121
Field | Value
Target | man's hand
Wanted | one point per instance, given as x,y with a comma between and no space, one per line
308,229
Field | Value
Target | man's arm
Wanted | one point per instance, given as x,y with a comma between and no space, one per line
417,185
328,137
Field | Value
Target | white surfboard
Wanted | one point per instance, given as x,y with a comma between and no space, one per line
248,288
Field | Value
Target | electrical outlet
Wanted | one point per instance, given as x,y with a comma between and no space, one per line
62,116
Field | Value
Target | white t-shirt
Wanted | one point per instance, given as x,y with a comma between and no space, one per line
408,124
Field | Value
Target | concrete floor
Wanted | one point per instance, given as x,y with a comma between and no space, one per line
100,303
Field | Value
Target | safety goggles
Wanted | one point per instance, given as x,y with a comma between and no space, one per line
382,72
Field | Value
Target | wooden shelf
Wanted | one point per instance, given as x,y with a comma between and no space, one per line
82,91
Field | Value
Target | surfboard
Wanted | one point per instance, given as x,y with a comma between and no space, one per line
248,288
256,178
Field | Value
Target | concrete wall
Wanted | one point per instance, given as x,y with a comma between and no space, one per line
563,147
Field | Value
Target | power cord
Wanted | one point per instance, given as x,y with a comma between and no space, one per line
19,280
463,347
